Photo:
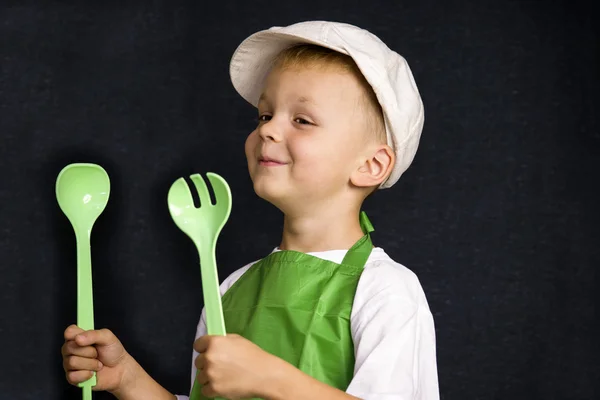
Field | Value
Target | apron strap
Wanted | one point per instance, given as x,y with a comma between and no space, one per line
359,253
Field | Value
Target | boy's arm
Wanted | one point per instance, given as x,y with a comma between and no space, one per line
141,386
117,371
233,367
289,383
394,336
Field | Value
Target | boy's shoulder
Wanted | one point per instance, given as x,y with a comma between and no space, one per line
383,278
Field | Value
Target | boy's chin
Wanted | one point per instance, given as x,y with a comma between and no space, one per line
274,194
266,192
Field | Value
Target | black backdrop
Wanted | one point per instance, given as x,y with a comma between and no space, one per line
497,215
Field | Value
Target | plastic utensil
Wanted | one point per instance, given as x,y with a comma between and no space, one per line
203,225
82,192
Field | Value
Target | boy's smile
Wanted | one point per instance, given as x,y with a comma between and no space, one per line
309,136
266,161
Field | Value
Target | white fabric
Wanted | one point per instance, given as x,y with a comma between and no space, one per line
385,70
392,329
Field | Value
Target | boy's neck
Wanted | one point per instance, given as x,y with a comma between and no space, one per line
328,230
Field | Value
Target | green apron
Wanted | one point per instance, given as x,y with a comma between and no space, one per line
297,307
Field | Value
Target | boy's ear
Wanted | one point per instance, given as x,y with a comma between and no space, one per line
374,169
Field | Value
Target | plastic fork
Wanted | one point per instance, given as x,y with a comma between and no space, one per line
203,225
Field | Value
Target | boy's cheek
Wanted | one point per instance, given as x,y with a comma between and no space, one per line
252,140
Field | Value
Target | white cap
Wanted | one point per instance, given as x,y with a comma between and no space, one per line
385,70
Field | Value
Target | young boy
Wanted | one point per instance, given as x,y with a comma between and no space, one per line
326,315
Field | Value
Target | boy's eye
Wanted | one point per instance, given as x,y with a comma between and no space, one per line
302,121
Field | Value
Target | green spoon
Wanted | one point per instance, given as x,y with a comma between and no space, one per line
82,191
203,225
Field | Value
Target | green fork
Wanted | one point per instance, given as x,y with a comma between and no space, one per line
203,225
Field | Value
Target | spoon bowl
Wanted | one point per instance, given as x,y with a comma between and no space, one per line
82,191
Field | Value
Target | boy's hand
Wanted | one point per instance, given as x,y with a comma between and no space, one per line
95,350
232,367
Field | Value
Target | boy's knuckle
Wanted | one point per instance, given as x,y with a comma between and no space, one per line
64,349
72,362
71,347
106,331
217,387
209,358
211,375
71,378
68,363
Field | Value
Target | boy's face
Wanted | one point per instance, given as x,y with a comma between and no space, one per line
311,132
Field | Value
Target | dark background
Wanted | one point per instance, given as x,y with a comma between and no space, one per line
497,216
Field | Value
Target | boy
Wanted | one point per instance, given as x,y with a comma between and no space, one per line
326,315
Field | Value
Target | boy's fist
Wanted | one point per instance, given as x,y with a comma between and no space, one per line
95,350
233,367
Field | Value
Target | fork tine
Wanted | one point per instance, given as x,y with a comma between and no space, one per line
202,190
220,187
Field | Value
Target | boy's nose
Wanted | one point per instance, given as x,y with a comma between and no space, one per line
270,132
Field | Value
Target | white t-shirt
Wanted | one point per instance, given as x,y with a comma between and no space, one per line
392,330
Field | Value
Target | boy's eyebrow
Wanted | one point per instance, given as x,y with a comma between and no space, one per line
301,99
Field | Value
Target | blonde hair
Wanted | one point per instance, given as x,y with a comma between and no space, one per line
310,55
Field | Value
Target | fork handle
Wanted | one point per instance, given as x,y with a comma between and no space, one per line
215,323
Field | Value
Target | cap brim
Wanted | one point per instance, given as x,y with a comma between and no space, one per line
253,59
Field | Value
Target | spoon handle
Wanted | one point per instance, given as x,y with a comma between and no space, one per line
85,303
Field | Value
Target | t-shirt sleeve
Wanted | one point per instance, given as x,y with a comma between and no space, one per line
394,337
